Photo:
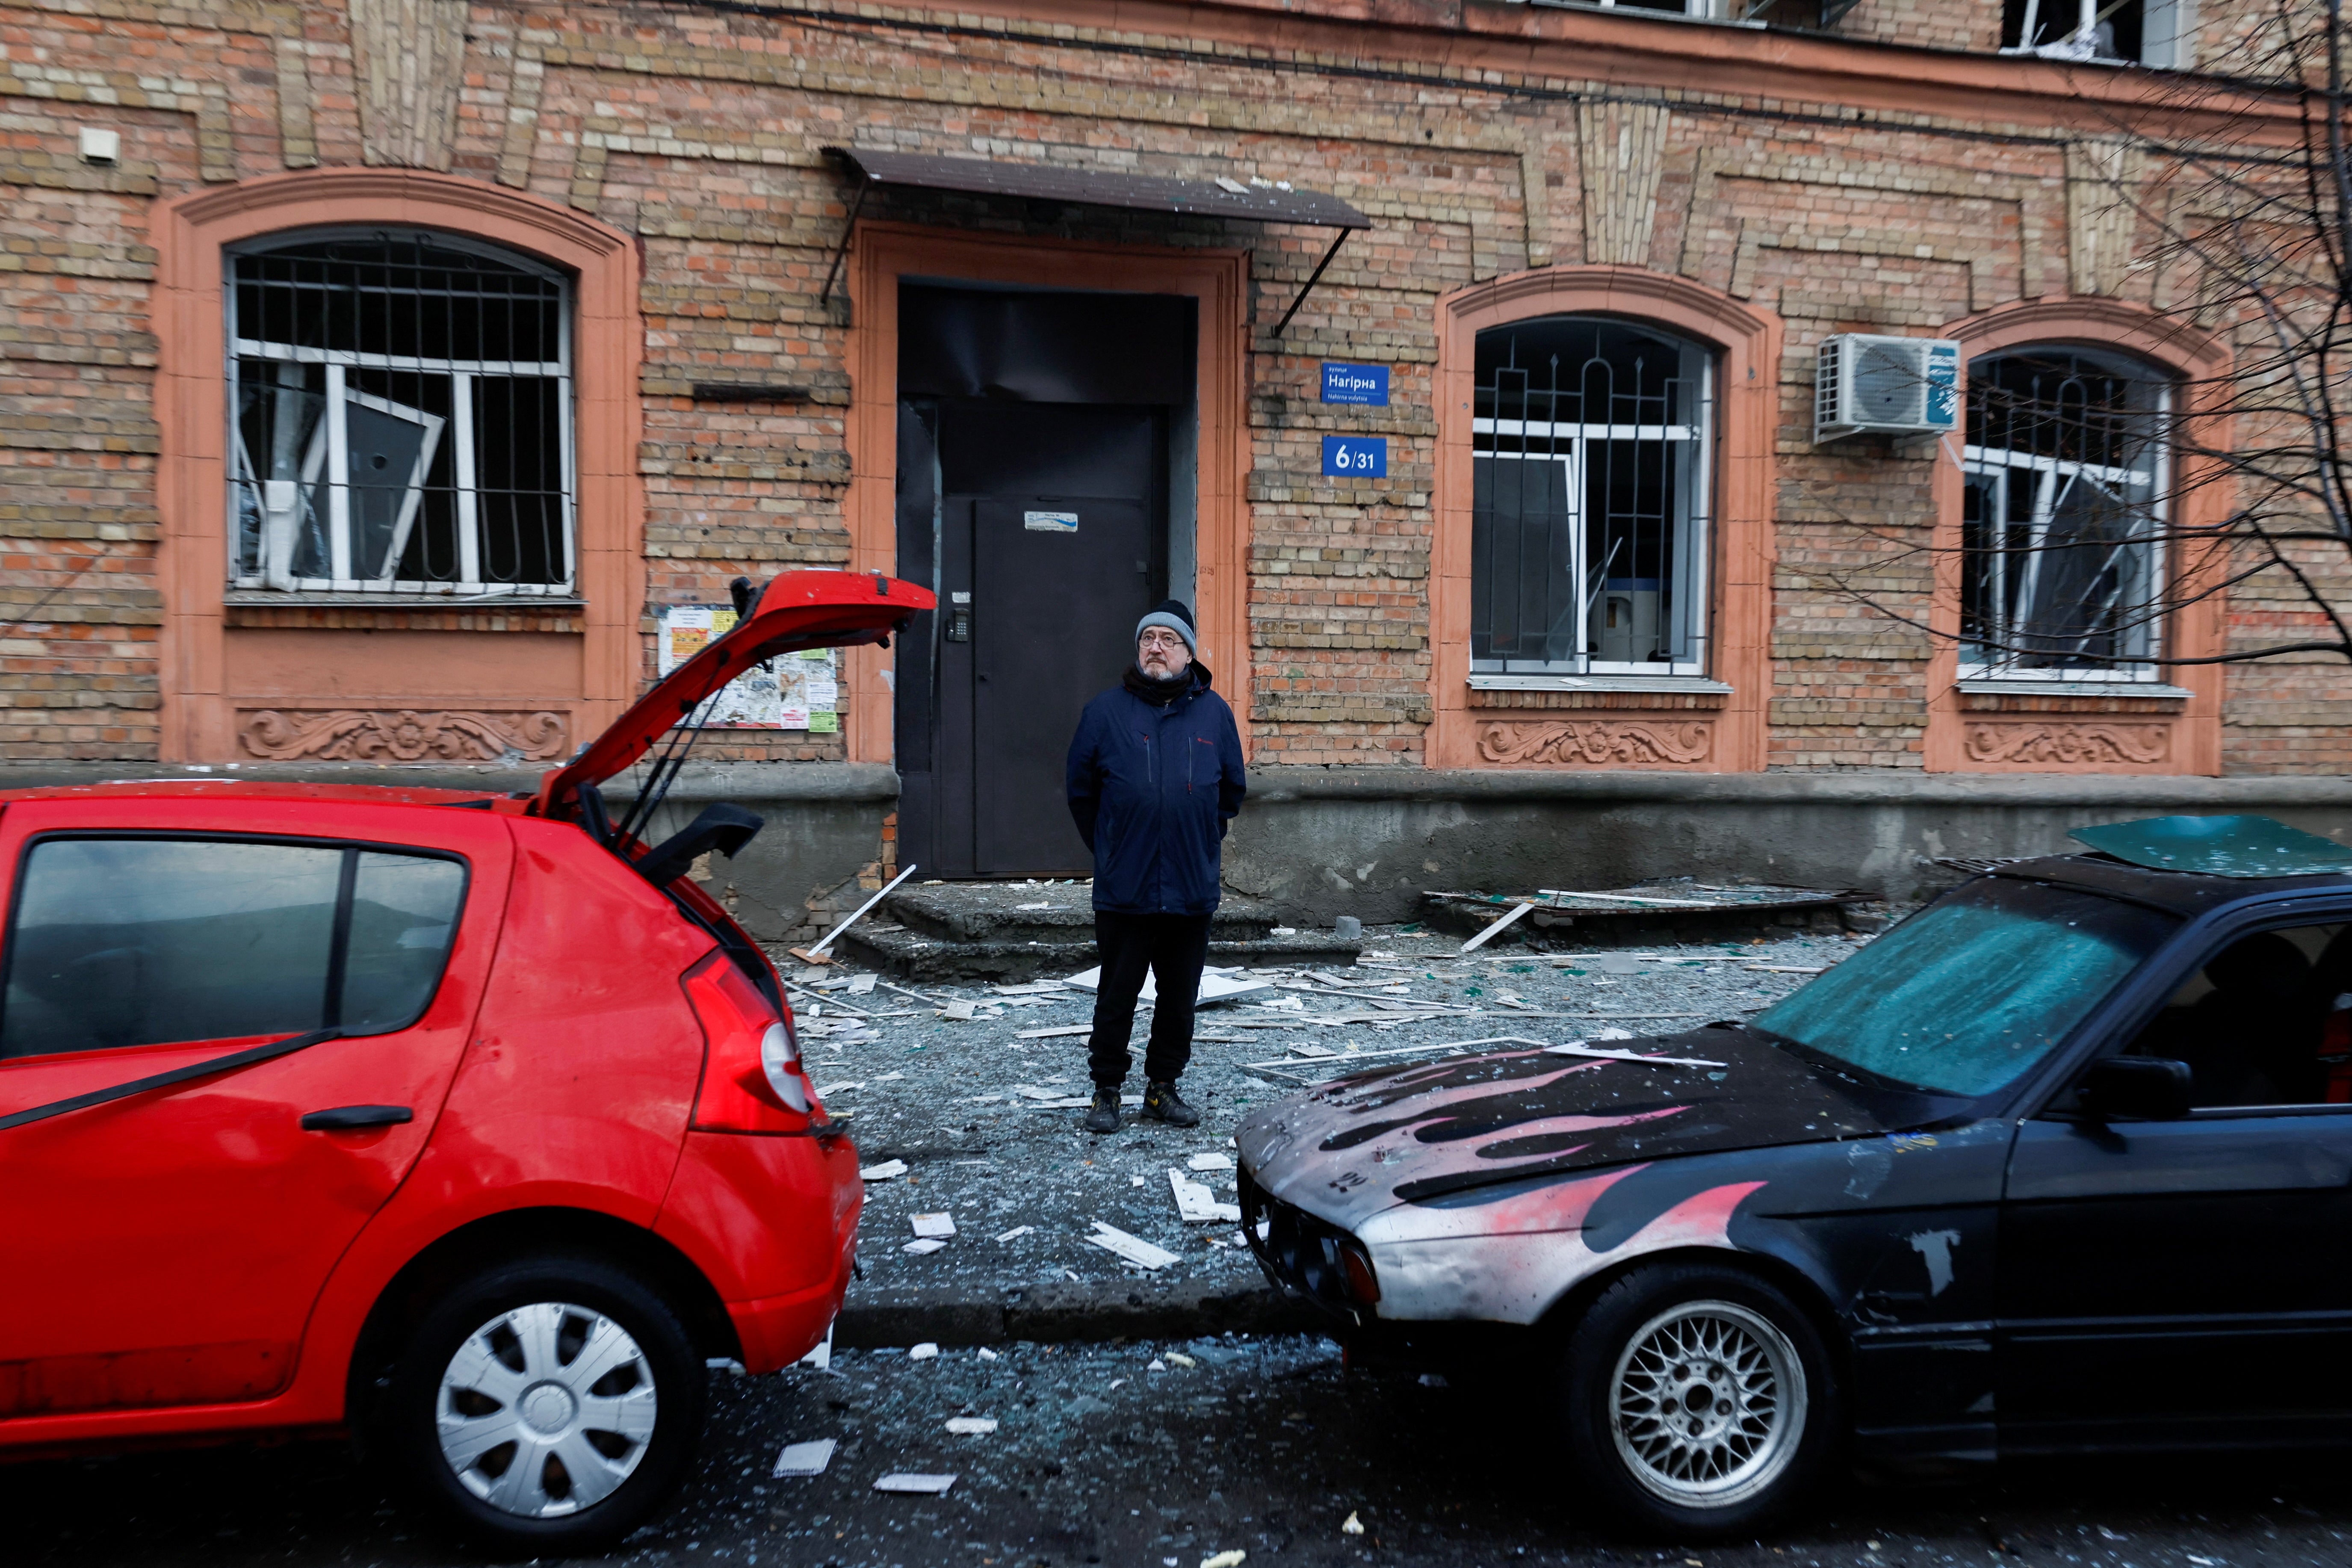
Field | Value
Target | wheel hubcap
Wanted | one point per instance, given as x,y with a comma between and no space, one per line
544,1410
1707,1405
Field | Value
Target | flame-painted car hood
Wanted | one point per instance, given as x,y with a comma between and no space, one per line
1437,1132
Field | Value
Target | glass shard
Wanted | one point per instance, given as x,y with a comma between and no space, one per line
2219,846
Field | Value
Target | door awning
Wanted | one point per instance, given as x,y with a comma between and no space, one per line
1103,188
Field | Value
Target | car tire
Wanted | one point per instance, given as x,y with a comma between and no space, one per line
1699,1401
528,1372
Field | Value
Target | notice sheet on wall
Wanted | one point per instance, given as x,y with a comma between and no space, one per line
796,691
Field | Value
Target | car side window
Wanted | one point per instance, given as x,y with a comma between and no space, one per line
119,941
2266,1020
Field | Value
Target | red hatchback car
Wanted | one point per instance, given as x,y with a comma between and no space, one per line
464,1123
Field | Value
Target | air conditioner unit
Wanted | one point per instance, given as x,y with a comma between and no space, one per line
1868,384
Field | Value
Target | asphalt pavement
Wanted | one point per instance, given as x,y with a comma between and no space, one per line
1264,1447
1159,1449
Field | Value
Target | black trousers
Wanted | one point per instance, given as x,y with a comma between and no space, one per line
1172,948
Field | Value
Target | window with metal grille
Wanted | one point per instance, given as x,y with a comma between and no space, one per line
1591,444
401,408
2062,515
2160,33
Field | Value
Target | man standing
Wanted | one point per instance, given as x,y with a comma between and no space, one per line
1155,774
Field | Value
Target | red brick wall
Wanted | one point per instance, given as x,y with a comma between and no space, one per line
1896,212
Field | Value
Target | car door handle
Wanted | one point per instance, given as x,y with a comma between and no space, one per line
350,1118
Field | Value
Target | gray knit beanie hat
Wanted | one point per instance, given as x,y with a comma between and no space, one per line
1173,615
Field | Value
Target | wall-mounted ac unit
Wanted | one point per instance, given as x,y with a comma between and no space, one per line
1868,384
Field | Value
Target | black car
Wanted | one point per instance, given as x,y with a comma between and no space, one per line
2062,1163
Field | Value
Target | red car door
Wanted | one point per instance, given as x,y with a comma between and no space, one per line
165,1248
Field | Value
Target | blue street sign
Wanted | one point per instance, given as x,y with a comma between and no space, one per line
1355,457
1363,384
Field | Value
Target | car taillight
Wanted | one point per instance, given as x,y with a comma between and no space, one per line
751,1078
1356,1268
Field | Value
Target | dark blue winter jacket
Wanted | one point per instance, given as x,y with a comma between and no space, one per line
1151,787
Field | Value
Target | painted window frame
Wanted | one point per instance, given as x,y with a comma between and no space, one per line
2152,569
192,233
1712,724
2184,710
1691,443
459,428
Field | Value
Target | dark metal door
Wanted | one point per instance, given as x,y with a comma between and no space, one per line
1053,528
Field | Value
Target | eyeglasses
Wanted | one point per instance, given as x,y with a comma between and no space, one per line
1160,638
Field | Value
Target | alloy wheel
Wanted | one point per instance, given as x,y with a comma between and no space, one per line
545,1409
1708,1403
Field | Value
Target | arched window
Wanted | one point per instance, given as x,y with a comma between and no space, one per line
2062,521
400,417
1591,440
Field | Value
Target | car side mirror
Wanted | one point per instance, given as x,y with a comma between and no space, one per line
2140,1089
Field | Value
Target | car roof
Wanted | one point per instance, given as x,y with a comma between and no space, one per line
2186,893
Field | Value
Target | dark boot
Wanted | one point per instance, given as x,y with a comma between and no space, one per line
1103,1115
1162,1103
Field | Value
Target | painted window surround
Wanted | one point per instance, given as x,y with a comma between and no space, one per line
1218,279
1709,725
1985,726
549,691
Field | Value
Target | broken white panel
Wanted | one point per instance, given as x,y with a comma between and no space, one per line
829,1090
933,1227
1053,1034
1196,1205
1016,1232
924,1351
923,1248
971,1425
903,1481
1214,987
959,1011
886,1171
1210,1162
1134,1248
805,1458
861,985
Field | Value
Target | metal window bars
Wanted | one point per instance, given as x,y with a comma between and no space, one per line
1591,444
2062,520
400,420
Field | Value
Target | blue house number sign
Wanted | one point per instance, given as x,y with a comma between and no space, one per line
1356,457
1367,385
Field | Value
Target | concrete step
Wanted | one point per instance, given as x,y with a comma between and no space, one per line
1036,911
916,956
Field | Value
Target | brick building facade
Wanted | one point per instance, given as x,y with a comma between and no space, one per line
718,385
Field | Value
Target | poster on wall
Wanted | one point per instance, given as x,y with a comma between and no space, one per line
796,691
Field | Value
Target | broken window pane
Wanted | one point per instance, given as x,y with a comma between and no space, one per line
2160,33
2062,516
1590,443
403,417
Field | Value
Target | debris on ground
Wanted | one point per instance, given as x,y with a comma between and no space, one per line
805,1458
979,1120
1134,1248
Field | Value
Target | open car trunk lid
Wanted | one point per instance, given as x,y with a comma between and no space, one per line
797,610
